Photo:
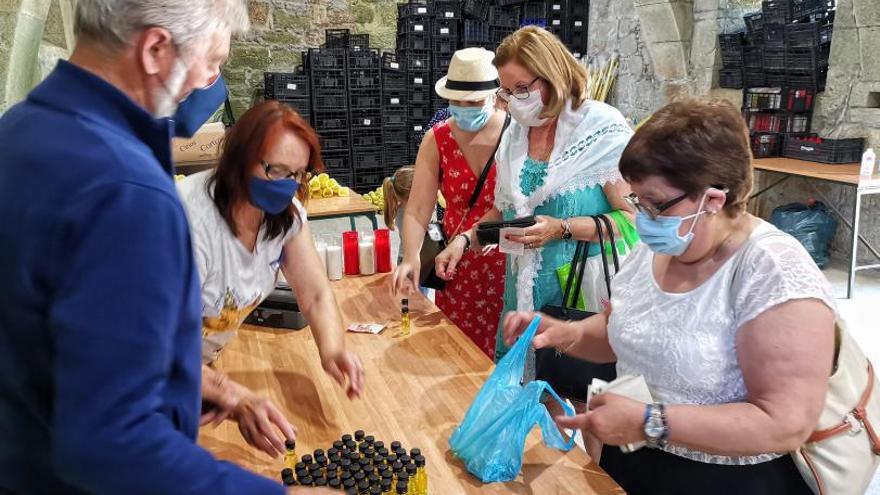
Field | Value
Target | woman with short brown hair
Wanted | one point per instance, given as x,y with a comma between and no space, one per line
729,321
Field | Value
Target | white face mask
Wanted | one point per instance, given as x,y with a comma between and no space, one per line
167,97
528,111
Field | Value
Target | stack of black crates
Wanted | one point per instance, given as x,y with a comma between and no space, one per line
782,62
372,110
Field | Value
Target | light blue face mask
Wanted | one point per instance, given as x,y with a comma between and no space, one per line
471,119
661,233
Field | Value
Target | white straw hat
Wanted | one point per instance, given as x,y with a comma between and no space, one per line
471,76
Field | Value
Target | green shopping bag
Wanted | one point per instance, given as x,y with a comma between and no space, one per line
629,239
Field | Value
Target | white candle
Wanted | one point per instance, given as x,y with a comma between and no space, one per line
334,262
367,257
322,253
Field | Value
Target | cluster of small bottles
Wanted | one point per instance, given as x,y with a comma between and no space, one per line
359,465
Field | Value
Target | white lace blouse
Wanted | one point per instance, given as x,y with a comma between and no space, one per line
685,344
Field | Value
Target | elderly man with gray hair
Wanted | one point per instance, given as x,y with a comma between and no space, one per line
100,329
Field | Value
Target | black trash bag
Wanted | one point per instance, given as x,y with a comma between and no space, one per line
812,225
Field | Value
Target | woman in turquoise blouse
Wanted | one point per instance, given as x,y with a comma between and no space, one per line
558,161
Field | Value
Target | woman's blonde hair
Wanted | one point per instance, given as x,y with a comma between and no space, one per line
396,190
543,54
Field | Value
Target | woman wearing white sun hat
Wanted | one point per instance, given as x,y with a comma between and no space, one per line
452,158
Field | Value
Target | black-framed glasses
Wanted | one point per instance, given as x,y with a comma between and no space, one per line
651,210
520,92
277,172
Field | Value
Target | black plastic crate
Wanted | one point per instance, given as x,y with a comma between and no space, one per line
534,21
364,79
775,78
394,135
336,162
327,58
438,104
755,38
367,138
578,38
558,9
814,80
801,9
776,12
336,38
440,64
394,98
774,35
504,16
363,59
475,9
754,21
366,159
414,41
579,8
764,99
766,144
367,179
418,96
331,120
799,99
774,58
753,78
328,81
779,122
497,34
410,9
730,78
329,101
826,30
731,49
418,80
802,35
285,85
805,60
303,107
366,119
395,155
394,118
446,29
534,9
418,61
358,42
365,99
392,62
419,114
393,81
415,25
334,140
815,149
474,32
446,9
753,57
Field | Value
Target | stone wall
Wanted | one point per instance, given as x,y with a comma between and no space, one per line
282,29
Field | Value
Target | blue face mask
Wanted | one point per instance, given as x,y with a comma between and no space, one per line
273,196
197,108
470,119
661,233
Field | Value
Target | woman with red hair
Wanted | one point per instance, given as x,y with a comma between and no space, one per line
247,222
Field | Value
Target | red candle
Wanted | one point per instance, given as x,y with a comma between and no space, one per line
383,250
350,253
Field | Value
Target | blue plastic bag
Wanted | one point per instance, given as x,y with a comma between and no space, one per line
492,436
811,224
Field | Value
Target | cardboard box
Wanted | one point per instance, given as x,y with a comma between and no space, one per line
204,146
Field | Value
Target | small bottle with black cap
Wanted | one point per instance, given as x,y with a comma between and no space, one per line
363,488
307,459
421,475
370,439
385,484
335,484
359,476
302,473
345,465
346,438
359,436
402,488
374,479
321,460
321,481
375,490
290,457
349,483
332,468
395,445
351,491
307,481
378,445
382,451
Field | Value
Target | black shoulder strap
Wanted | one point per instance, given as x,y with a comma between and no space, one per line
489,164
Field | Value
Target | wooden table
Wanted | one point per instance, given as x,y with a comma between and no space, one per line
351,206
418,390
847,175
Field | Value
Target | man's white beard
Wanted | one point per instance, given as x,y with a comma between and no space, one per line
166,96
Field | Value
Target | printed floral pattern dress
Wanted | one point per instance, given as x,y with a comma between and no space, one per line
473,298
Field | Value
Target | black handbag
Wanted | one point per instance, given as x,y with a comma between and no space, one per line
570,376
490,232
436,239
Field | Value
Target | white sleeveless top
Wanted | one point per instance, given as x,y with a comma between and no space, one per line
685,344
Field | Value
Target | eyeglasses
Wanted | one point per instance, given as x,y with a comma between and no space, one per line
520,92
650,210
277,172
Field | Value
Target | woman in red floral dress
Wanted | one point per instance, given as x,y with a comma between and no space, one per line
451,158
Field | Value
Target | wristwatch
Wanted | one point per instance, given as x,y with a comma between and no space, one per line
656,425
566,229
467,240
